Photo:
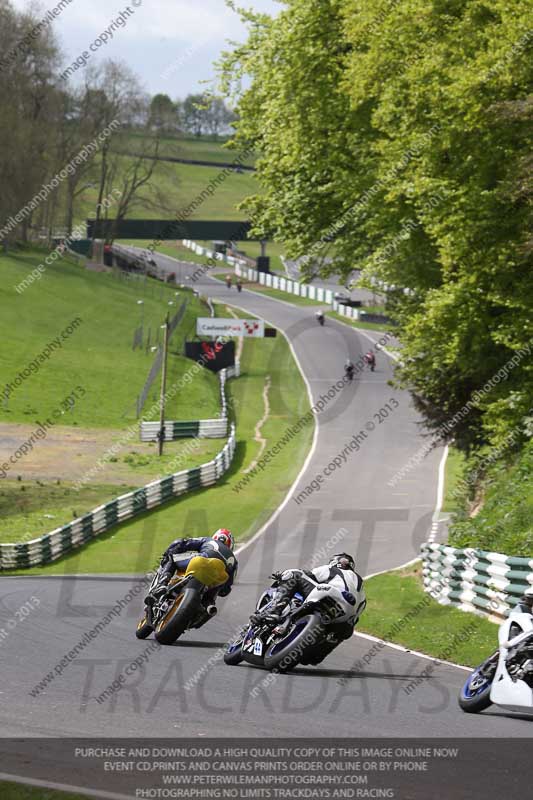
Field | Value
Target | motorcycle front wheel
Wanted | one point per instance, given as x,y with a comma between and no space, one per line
302,636
233,654
475,694
144,629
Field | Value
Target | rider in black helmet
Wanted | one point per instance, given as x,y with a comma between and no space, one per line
339,572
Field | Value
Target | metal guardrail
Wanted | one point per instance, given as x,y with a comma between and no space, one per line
53,545
475,580
202,428
204,251
272,281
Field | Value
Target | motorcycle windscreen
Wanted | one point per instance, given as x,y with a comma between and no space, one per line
209,571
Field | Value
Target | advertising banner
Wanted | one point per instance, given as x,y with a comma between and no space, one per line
228,326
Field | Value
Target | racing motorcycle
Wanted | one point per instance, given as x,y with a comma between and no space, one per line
506,677
182,606
307,624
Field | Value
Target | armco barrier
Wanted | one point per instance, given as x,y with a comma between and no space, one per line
294,287
475,580
202,428
307,290
76,533
204,251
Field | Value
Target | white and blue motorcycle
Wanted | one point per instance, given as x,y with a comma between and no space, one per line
307,625
506,678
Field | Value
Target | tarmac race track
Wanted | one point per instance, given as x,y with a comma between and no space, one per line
186,690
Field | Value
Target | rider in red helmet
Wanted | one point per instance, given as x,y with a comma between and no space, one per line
219,545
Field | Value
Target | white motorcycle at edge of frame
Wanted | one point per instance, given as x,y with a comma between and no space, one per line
506,678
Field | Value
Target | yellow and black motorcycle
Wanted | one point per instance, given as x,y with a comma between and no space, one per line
182,606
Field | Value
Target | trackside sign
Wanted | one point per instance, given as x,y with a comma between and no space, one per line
212,326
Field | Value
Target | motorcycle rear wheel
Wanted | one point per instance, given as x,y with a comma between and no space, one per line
176,620
303,635
475,694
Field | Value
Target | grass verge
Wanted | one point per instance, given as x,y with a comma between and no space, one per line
400,611
355,323
17,791
455,466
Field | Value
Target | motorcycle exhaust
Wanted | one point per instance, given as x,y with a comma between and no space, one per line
212,610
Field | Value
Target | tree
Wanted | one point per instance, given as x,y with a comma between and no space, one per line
29,121
163,113
218,116
126,164
396,137
194,114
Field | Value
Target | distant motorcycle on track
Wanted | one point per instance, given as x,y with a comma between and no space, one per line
370,361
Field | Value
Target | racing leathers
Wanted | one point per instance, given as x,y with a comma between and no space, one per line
200,546
304,581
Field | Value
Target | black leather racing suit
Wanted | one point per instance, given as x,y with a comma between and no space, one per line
202,546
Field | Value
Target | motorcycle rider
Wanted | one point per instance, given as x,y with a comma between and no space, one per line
219,545
370,359
339,572
320,317
349,369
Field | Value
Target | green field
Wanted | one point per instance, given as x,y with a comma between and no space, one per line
98,369
394,614
205,148
98,354
33,507
180,184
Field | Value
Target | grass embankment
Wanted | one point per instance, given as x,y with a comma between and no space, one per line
97,352
400,611
36,493
135,546
502,498
179,185
17,791
204,148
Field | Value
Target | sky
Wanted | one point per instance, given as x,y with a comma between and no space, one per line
170,44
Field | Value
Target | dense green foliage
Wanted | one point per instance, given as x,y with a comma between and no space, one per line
505,521
396,137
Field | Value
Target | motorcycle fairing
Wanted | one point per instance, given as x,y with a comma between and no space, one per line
515,695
